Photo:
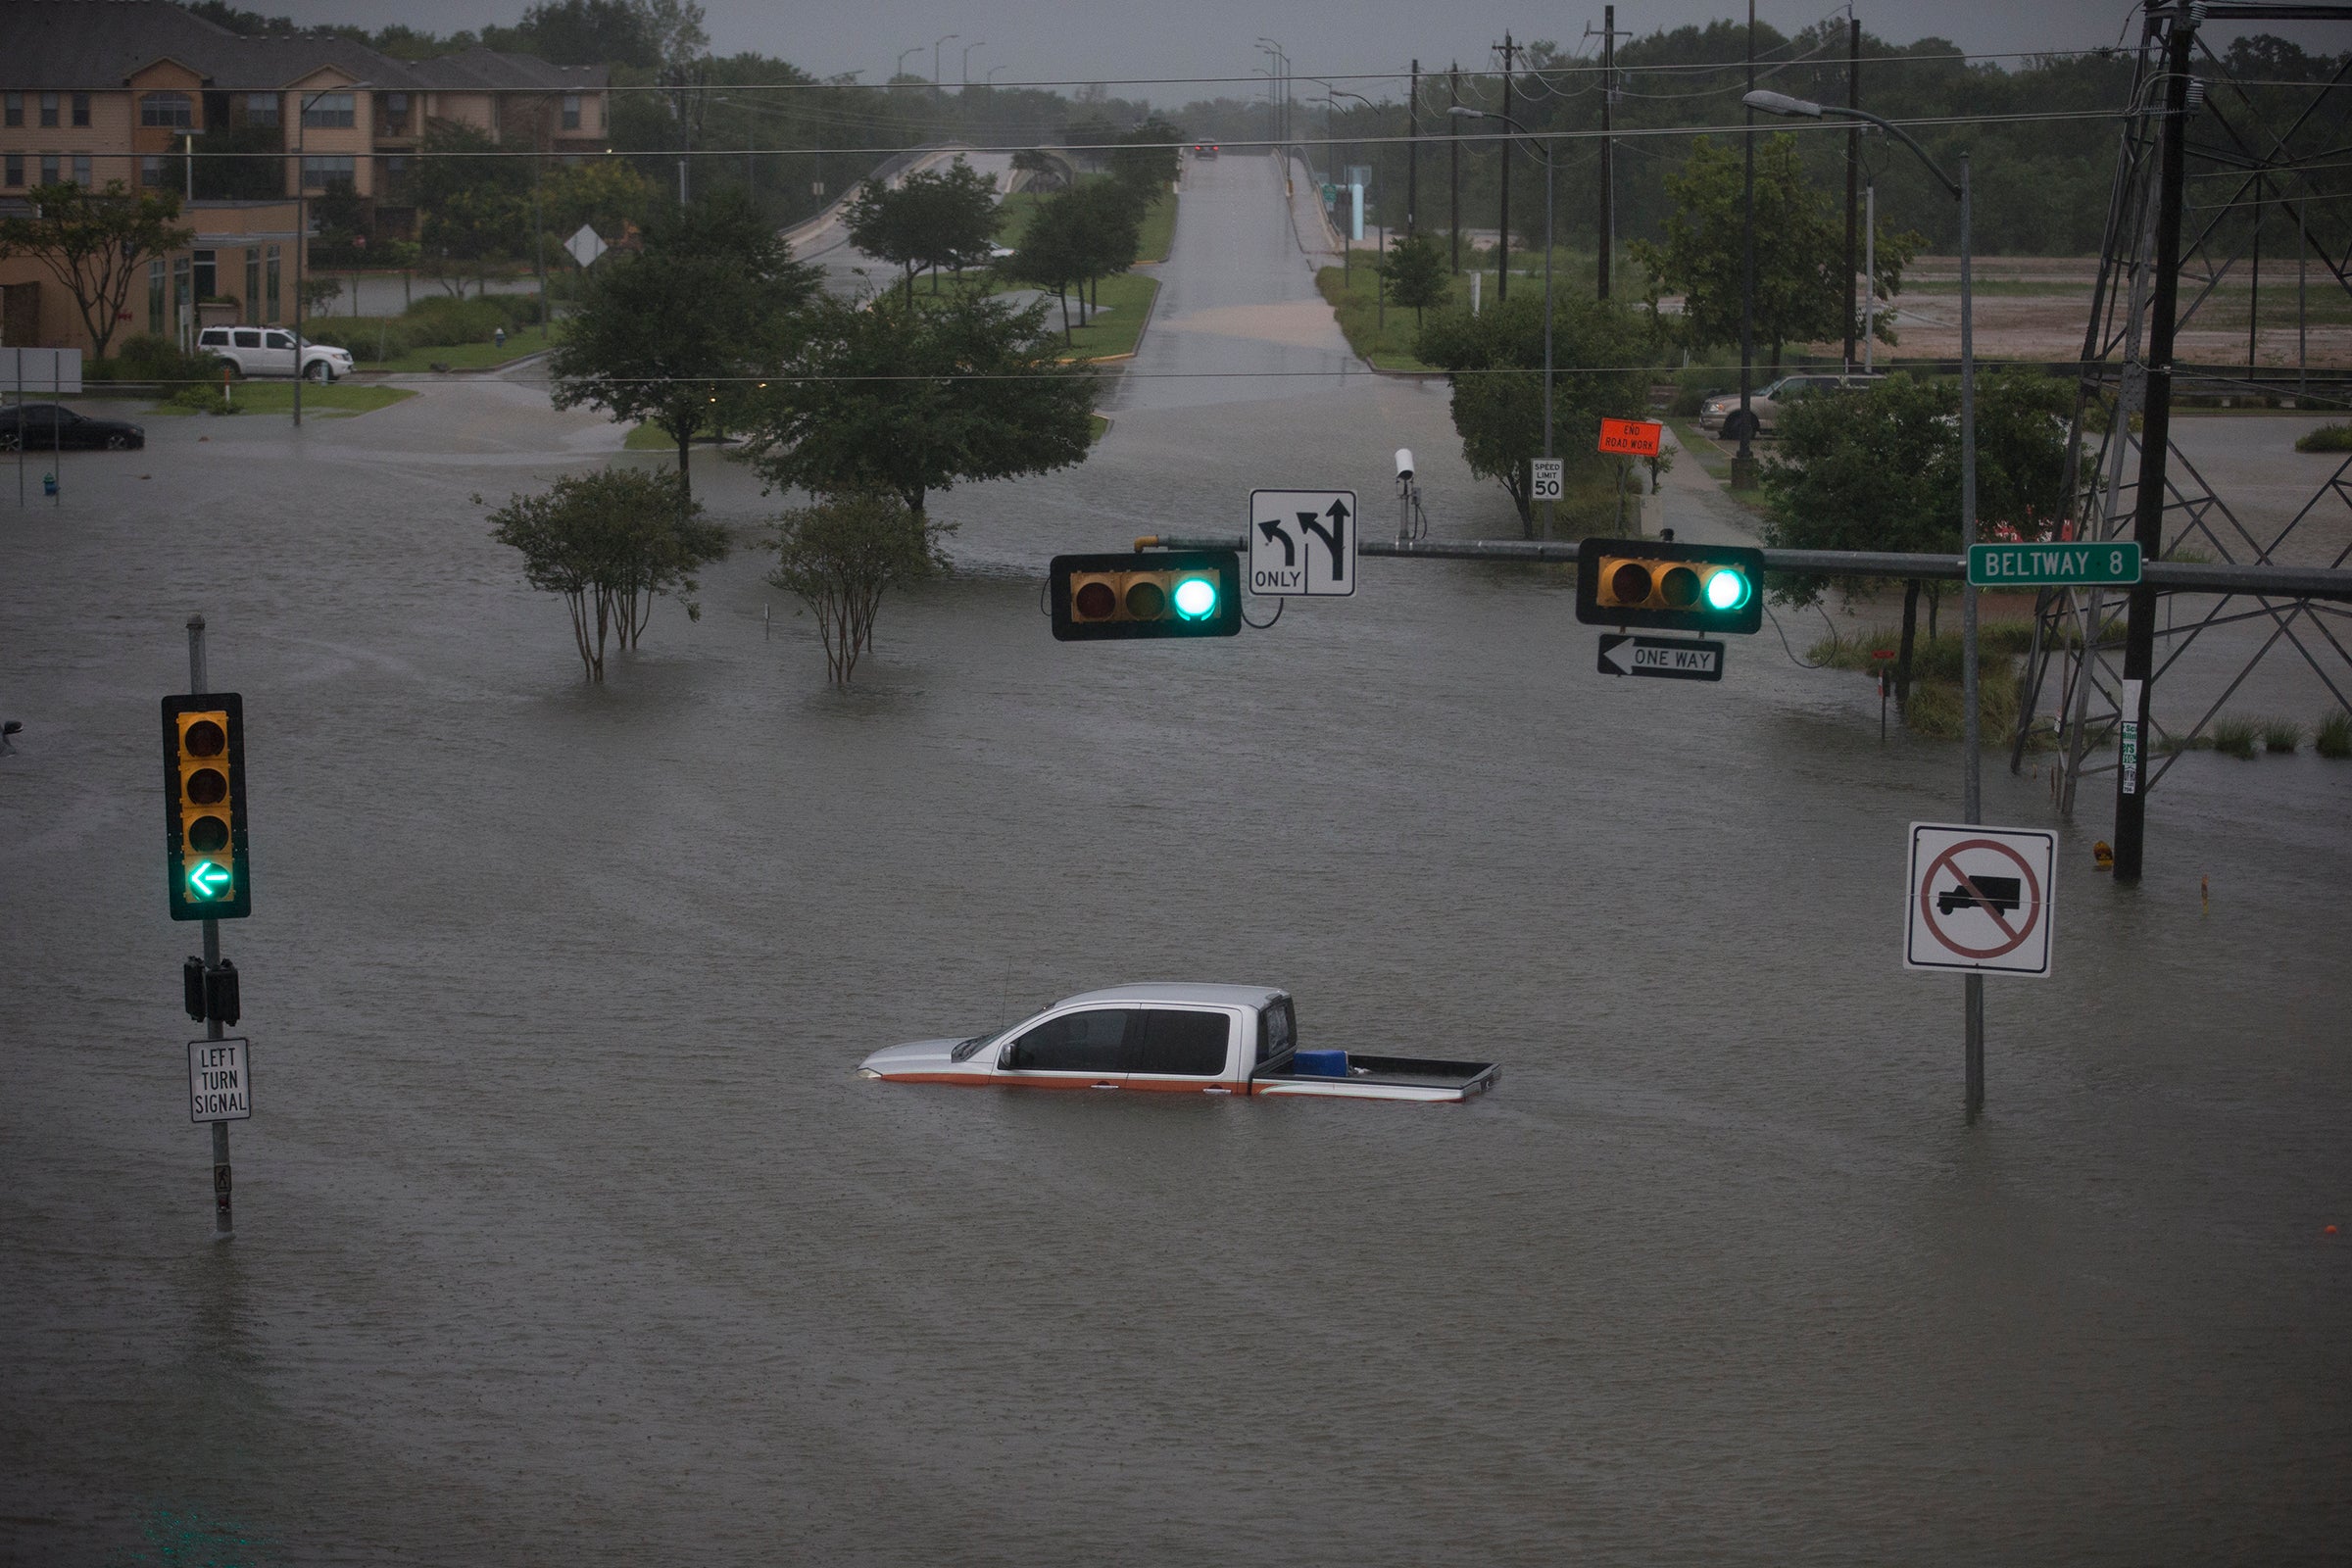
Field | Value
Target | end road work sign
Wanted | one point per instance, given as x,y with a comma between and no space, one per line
1979,899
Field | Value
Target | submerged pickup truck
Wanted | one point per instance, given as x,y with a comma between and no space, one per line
1183,1039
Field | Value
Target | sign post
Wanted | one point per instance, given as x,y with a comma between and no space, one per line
1979,901
1302,543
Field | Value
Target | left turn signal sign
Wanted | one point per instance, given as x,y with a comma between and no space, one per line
204,808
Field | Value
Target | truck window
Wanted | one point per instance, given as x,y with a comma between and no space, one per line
1277,1031
1185,1044
1094,1040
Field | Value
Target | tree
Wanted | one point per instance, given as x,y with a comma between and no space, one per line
1879,469
1800,250
610,543
931,219
473,207
677,334
94,243
1053,254
1495,362
1417,274
608,194
1147,158
903,401
839,555
589,32
1045,171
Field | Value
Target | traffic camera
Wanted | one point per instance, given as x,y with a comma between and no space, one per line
204,808
1163,593
1643,582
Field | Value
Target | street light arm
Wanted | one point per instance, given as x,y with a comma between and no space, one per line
1780,102
1540,148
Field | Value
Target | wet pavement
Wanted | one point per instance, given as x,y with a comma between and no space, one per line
566,1234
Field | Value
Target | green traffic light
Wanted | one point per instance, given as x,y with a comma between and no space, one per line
1195,597
206,880
1726,590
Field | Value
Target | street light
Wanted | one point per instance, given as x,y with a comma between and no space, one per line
950,38
991,77
1544,151
302,216
1280,89
1971,774
967,60
900,69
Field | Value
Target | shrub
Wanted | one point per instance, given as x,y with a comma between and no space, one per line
1693,386
148,358
2280,735
368,338
2326,438
202,400
2334,738
2235,736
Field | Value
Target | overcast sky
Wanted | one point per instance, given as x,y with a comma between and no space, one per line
1089,40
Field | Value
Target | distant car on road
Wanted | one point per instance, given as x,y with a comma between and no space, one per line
270,351
1205,149
47,426
1766,404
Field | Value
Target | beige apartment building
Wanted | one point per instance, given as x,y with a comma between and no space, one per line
99,90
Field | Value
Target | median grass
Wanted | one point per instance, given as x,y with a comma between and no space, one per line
1381,335
342,401
1126,303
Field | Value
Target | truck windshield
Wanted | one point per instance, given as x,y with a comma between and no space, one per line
966,1049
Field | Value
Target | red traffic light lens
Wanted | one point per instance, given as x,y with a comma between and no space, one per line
1094,601
1630,585
204,739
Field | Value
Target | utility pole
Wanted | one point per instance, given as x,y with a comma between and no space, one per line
2156,417
1608,143
1503,243
1412,155
1853,161
1453,156
1743,462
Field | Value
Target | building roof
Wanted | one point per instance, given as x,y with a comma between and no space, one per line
96,45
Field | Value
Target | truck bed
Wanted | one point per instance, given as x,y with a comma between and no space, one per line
1423,1078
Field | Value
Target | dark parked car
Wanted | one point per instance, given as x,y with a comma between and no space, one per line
43,426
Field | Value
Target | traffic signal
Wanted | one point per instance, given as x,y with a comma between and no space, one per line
204,808
1644,582
1163,593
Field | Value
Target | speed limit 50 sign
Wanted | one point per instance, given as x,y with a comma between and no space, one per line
1979,899
1546,476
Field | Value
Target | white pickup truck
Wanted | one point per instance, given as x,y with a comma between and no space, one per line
1182,1038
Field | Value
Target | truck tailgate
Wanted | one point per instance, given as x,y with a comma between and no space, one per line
1422,1078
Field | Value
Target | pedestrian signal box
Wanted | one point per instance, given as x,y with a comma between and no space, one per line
204,808
1644,582
1159,593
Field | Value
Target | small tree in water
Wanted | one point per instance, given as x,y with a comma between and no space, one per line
610,543
839,557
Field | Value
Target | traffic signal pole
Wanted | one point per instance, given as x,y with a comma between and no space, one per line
224,1223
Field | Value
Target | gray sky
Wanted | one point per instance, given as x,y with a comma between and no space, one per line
1087,40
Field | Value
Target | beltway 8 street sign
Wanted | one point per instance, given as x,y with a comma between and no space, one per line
1979,899
1303,542
1547,477
2106,562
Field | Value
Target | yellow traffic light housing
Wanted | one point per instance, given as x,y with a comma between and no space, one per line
1163,593
204,808
1640,582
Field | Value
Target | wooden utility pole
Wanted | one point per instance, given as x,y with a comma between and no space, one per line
1412,154
1608,144
1453,156
1503,243
1854,160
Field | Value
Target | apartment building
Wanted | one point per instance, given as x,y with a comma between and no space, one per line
99,90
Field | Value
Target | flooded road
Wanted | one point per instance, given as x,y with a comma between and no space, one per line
566,1234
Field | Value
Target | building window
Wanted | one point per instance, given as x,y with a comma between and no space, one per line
155,298
182,307
253,284
15,170
82,170
329,111
270,294
151,171
81,109
261,109
170,109
48,109
394,109
326,173
208,274
16,109
48,169
572,111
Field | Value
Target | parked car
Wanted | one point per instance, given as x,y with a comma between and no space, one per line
1766,404
46,426
270,351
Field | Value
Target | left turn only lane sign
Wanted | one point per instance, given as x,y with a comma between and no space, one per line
1303,542
1979,899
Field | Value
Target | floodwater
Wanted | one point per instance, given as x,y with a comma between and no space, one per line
566,1235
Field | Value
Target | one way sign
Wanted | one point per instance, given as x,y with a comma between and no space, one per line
1303,542
1668,657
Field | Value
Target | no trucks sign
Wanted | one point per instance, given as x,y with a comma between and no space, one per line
1979,899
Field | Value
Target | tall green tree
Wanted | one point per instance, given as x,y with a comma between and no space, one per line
1879,469
607,544
473,205
903,401
1494,363
1417,274
1800,250
94,243
679,334
932,219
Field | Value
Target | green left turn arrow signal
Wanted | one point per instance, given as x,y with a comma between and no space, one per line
208,880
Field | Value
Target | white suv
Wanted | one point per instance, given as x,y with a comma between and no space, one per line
270,351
